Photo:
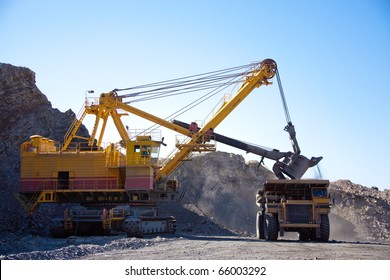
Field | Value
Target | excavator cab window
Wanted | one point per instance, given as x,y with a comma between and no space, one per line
155,154
155,151
145,150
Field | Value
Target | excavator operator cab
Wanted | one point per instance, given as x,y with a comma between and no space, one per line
143,151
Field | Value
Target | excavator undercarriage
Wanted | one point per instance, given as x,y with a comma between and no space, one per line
134,221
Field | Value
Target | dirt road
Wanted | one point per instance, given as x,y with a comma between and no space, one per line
233,247
198,237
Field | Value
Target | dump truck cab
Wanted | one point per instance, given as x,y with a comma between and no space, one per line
300,206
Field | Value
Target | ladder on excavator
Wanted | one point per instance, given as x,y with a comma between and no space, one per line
71,133
106,219
68,225
30,203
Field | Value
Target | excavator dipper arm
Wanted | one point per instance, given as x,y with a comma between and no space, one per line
291,164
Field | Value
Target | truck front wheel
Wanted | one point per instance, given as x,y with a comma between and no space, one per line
324,228
271,227
260,225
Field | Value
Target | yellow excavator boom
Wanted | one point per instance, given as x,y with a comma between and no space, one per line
259,76
110,102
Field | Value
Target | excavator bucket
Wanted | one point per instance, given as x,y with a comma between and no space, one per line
294,165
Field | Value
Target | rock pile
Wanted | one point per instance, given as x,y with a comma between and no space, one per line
223,187
360,213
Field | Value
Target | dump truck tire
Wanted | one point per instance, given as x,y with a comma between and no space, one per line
260,225
271,227
324,228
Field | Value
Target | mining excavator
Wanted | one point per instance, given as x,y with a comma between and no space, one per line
117,186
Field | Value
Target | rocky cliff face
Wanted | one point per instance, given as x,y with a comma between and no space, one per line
25,111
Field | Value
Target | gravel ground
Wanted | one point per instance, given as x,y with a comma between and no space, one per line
198,237
246,248
196,247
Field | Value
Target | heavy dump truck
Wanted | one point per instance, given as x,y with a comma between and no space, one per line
117,186
293,206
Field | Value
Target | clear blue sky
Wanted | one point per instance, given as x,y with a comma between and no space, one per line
333,58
